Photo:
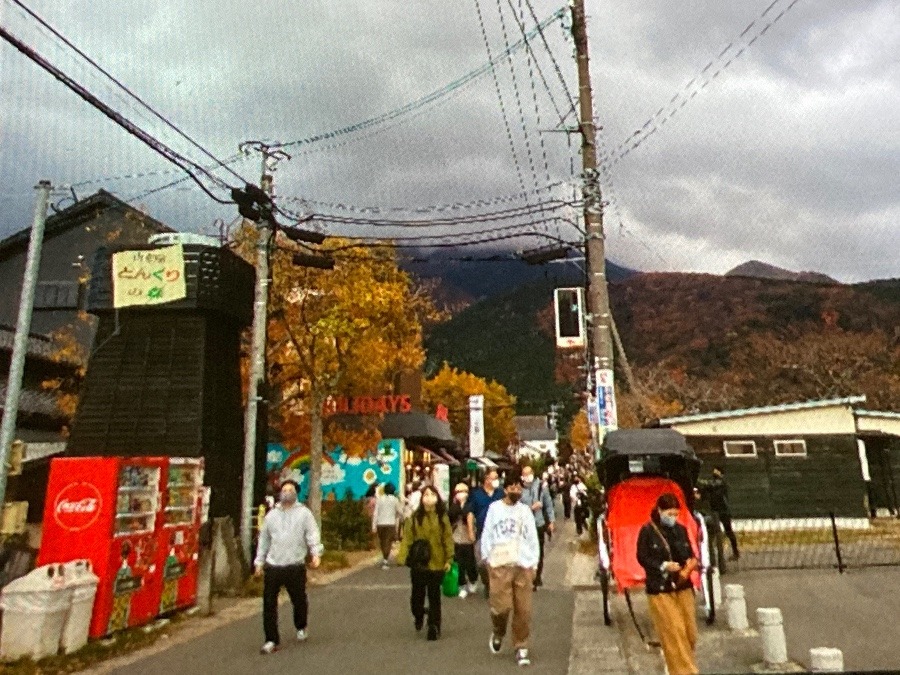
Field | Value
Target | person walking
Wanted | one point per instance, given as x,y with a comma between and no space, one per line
289,533
427,547
509,544
537,497
565,487
463,523
480,500
578,497
385,520
716,492
665,553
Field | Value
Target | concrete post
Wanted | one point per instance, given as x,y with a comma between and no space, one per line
717,587
826,660
771,630
736,607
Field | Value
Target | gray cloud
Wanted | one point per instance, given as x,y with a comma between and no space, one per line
790,155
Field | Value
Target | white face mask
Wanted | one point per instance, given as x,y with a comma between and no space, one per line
495,483
461,497
528,480
429,501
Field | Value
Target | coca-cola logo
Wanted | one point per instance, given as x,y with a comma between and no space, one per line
77,506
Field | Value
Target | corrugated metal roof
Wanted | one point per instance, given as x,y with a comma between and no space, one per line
35,403
746,412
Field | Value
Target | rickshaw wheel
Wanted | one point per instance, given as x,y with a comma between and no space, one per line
604,587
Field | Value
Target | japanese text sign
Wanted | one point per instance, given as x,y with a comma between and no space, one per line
148,277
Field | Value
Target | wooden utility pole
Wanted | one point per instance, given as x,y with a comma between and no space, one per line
600,348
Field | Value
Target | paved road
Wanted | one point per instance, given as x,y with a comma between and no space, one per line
362,624
856,611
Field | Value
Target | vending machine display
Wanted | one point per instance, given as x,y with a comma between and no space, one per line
134,519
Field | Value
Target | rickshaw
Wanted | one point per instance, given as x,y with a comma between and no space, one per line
636,467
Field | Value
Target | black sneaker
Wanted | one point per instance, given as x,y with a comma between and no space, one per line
420,621
432,633
495,644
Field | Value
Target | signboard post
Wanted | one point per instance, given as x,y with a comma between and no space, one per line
476,426
606,402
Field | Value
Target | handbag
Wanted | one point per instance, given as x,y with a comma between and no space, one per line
450,584
419,554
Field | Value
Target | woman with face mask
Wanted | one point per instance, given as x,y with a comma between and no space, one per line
429,524
665,553
463,523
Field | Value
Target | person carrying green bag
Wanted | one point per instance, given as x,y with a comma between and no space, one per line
450,585
427,548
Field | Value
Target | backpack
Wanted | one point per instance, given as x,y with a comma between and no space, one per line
419,554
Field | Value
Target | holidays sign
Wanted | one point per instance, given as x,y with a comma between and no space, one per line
148,277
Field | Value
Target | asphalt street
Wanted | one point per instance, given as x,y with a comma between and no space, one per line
362,624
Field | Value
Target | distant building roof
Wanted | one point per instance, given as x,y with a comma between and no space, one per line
746,412
80,211
528,435
530,422
35,403
39,346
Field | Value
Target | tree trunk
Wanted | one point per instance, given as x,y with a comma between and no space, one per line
314,499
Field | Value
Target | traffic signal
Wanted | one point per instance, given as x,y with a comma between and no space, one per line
321,262
308,236
246,203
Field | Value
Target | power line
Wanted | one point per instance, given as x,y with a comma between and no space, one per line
124,88
569,95
186,165
700,82
485,240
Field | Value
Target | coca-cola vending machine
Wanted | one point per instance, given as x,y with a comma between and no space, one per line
179,536
120,513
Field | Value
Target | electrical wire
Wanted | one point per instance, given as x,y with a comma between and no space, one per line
186,165
573,101
118,83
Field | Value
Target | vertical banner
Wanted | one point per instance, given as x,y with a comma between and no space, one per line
476,426
441,477
606,400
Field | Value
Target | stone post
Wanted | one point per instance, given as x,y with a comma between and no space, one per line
771,630
736,607
826,660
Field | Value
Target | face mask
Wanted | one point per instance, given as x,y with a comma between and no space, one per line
288,498
429,501
667,520
528,480
514,496
461,497
495,483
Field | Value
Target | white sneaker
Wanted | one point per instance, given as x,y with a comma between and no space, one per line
268,648
472,588
463,593
301,635
522,657
495,644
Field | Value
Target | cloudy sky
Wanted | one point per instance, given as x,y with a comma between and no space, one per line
785,150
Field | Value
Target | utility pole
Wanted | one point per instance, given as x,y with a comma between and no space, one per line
264,228
23,328
599,333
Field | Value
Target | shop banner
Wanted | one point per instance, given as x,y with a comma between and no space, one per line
442,480
476,426
606,400
148,277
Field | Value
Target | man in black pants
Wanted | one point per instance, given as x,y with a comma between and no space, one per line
289,533
716,490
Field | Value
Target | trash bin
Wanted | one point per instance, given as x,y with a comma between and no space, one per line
34,611
83,582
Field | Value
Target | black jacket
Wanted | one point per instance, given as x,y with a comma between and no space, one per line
716,490
652,553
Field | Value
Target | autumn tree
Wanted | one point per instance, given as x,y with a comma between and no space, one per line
580,432
344,331
452,388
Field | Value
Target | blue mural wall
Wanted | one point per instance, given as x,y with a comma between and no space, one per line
340,473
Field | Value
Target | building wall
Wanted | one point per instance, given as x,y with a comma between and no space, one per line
886,425
766,486
825,420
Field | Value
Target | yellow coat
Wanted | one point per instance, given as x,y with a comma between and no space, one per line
439,534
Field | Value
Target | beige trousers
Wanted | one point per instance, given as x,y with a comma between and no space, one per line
511,591
675,619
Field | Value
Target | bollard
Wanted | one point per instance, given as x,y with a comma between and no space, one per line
736,607
826,660
771,630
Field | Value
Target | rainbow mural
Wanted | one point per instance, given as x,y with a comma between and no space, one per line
340,474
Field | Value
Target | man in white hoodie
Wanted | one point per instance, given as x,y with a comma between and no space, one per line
509,545
289,533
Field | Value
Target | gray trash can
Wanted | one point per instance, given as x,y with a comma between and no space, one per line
81,579
34,612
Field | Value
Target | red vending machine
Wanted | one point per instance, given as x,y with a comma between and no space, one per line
179,536
110,510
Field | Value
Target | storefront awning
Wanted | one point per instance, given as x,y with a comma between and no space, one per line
442,457
420,428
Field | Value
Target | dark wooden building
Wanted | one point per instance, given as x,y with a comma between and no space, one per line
801,459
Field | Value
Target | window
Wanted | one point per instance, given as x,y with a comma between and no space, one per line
56,295
740,449
794,448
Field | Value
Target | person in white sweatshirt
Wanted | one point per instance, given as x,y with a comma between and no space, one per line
289,533
509,545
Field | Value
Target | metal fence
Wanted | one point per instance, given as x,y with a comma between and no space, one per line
824,542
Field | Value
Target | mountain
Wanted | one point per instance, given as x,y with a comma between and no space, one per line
760,270
460,282
731,333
